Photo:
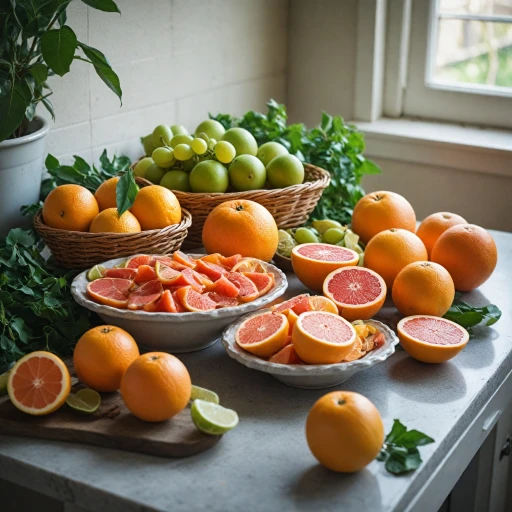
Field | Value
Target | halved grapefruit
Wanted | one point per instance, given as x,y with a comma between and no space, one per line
140,259
358,292
120,273
312,263
145,295
224,286
110,291
287,355
247,290
222,300
194,301
431,339
322,338
249,265
144,273
39,383
299,304
263,335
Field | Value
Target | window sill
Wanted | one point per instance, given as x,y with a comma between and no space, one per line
453,146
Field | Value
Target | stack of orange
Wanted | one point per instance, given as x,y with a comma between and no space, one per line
74,208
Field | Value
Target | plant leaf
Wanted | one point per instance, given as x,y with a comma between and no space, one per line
103,5
18,236
51,162
103,69
126,192
13,106
48,105
39,72
58,47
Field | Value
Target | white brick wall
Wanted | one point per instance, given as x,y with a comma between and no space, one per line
177,60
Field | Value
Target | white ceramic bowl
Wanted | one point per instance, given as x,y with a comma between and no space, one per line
174,332
309,376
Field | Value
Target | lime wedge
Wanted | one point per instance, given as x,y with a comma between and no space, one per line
213,419
95,272
3,383
204,394
121,264
85,401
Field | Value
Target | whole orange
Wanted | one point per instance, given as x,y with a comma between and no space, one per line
390,251
423,288
469,254
70,207
241,227
435,225
344,431
109,221
382,210
156,207
156,386
106,194
102,355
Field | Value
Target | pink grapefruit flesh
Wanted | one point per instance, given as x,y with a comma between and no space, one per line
146,295
263,334
110,291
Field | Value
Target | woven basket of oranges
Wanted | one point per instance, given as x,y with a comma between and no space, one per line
82,229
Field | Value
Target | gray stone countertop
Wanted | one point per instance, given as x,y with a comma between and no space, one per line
265,464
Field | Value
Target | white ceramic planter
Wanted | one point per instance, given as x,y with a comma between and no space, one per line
21,170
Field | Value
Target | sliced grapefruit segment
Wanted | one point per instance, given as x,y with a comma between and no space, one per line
230,261
145,273
322,338
299,304
39,383
110,291
180,308
247,289
120,273
292,318
287,355
356,352
194,301
166,303
211,270
140,259
145,295
203,280
359,293
321,303
312,263
165,273
223,300
249,265
264,282
224,286
212,258
184,259
263,335
431,339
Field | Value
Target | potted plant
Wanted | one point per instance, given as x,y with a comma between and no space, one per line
35,43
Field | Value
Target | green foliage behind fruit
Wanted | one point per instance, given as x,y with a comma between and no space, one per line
333,145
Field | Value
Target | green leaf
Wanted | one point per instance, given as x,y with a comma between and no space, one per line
396,432
39,72
398,463
103,5
126,192
58,47
18,236
48,105
368,167
468,316
81,164
13,106
51,162
103,69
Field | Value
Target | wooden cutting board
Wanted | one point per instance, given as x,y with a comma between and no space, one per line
112,426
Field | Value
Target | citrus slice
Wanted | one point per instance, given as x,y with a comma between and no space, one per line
230,261
292,318
199,393
140,259
144,274
312,263
182,258
224,286
166,303
321,303
299,304
145,296
359,293
249,265
110,291
210,270
39,383
431,339
194,301
213,419
263,335
247,290
120,273
287,355
264,282
356,352
165,273
202,280
180,308
4,378
96,272
84,401
212,258
222,300
322,338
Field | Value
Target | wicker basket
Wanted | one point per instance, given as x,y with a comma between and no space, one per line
79,250
290,206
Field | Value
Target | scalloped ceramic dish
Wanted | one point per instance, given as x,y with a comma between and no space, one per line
174,332
310,376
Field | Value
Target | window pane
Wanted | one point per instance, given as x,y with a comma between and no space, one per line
478,7
474,52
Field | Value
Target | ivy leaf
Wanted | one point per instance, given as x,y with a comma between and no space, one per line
103,5
58,47
126,192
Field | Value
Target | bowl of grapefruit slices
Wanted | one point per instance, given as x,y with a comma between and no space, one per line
177,303
305,343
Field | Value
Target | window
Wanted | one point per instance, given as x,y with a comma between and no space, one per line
458,60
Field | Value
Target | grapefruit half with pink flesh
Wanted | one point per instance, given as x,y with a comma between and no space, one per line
263,282
194,301
431,339
247,290
263,335
322,338
312,263
121,273
359,293
145,295
110,291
